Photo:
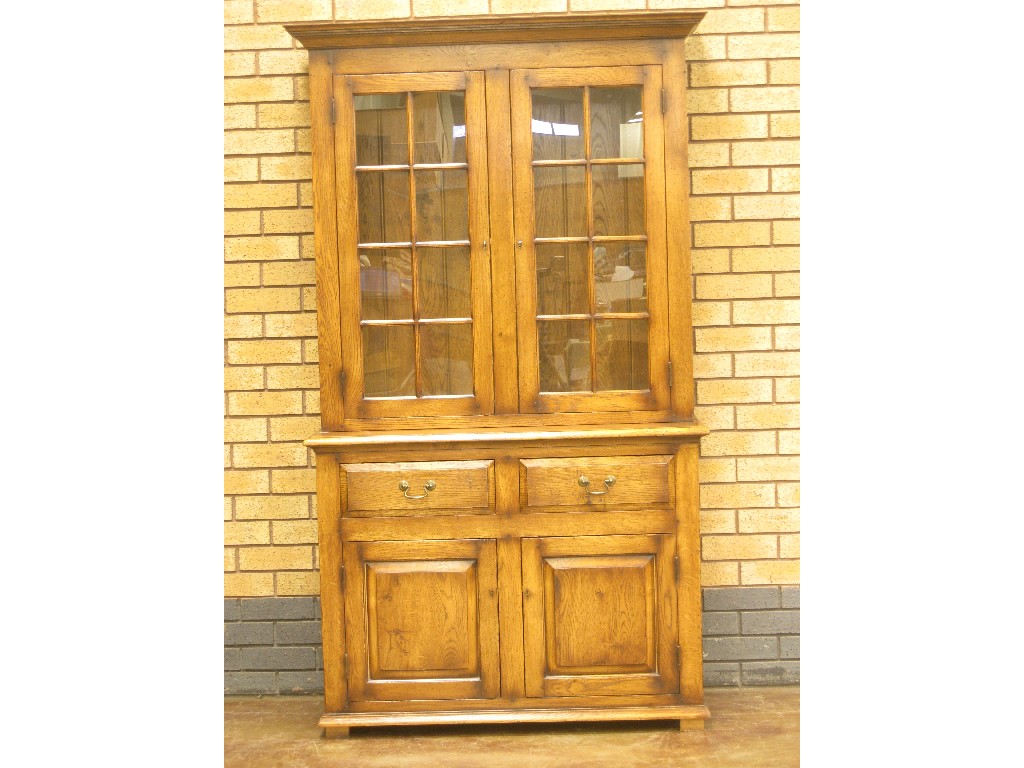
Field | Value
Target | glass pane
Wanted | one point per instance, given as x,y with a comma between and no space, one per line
439,127
383,206
444,282
618,199
381,135
560,201
564,350
447,359
557,123
388,356
622,354
442,206
620,277
385,284
562,279
616,122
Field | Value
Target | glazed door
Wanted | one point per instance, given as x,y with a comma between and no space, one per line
589,190
599,615
412,243
423,619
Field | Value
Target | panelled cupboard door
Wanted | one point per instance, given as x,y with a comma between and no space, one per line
412,231
599,615
423,619
591,257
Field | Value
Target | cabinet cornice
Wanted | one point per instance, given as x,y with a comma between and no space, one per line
511,28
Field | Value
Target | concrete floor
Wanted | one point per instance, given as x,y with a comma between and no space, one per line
749,728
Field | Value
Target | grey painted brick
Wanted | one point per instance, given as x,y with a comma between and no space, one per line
231,659
738,648
316,613
771,672
270,608
791,597
278,658
721,623
249,633
300,682
740,598
250,682
721,674
319,657
232,610
770,622
789,647
297,632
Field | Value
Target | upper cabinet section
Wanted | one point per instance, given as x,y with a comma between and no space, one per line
501,221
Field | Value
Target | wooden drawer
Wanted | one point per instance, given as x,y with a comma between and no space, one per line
443,487
639,481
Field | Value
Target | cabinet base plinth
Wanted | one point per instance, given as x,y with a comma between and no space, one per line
690,717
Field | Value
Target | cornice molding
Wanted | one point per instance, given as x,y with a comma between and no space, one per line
512,28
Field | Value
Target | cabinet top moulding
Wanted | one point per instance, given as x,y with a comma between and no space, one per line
511,28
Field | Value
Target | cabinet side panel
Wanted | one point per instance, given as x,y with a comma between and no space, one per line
329,499
677,178
326,241
691,675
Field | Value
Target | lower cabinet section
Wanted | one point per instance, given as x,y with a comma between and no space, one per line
491,584
423,620
599,615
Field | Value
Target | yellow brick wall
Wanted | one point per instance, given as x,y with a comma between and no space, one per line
745,181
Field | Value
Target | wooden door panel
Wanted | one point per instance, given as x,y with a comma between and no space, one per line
590,224
425,619
412,234
599,614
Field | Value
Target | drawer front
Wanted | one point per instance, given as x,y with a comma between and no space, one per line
638,480
417,487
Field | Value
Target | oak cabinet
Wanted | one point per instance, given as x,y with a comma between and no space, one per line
507,474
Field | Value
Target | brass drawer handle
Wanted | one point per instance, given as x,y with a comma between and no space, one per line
403,485
608,483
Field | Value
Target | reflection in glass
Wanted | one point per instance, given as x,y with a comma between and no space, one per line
383,202
385,283
446,359
444,282
562,279
618,199
388,361
442,206
622,354
620,277
616,122
439,127
560,201
564,348
557,124
381,135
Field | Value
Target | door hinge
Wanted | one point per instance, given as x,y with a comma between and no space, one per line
663,101
675,567
334,114
679,657
341,577
341,380
670,374
344,664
